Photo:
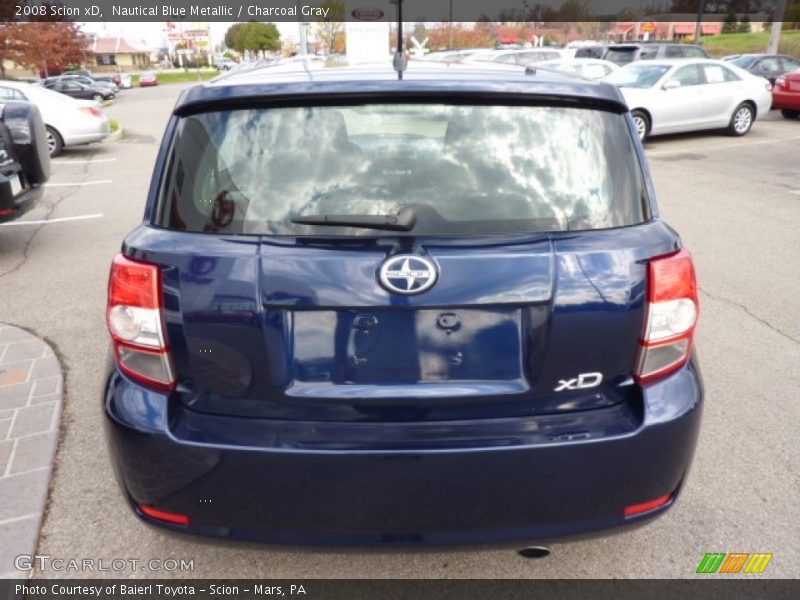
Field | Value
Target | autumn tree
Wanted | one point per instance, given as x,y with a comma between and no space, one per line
330,29
43,45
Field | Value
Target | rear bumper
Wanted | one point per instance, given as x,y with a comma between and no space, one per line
20,204
546,478
785,100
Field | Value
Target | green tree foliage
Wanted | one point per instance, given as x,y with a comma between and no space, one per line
729,26
253,36
745,26
232,35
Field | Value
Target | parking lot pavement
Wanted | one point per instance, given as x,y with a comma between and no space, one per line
735,201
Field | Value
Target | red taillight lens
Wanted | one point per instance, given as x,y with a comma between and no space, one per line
135,321
780,82
92,110
161,515
672,309
638,509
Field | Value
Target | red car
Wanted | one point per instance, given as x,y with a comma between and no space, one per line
786,94
147,79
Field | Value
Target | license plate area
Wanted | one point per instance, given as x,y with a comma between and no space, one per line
401,346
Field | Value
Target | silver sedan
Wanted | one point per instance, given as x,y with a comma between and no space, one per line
670,96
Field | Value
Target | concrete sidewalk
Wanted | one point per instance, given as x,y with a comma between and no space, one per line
31,395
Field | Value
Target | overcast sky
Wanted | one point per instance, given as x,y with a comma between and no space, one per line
153,34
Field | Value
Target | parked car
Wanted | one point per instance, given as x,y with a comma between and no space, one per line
149,78
786,94
622,54
78,90
421,318
523,56
588,68
768,66
125,81
111,80
24,161
225,64
82,79
670,96
68,122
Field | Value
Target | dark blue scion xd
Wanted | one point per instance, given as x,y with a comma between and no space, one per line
442,310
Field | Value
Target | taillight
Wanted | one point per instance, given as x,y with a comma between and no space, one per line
780,82
92,110
672,309
136,322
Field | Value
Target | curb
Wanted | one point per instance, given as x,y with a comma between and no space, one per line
31,398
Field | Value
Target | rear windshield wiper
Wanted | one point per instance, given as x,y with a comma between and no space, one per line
402,221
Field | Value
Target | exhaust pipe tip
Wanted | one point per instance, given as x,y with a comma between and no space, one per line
533,552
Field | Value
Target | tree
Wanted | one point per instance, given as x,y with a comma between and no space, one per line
261,36
331,28
744,26
729,26
43,45
233,36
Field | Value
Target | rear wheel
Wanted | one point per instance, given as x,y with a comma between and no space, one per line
741,120
790,114
642,123
54,142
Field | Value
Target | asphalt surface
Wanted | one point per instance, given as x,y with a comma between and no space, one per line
736,201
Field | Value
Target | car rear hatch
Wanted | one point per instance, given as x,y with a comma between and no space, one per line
402,261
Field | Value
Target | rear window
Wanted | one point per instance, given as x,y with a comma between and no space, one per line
463,170
621,56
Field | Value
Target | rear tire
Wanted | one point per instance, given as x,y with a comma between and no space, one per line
742,119
790,114
642,123
54,142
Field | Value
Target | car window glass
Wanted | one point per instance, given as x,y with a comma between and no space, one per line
469,169
688,75
648,53
506,59
693,52
10,94
790,64
770,65
714,74
730,75
673,52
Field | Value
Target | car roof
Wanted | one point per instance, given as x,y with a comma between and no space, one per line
671,62
421,79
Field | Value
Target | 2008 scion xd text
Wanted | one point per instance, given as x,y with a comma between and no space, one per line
438,310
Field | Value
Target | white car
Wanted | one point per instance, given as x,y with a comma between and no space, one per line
669,96
588,68
521,56
69,122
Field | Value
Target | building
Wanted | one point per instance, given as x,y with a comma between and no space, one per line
676,27
118,52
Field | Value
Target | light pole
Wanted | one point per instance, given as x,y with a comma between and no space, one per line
698,27
777,25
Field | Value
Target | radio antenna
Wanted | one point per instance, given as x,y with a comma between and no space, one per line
399,62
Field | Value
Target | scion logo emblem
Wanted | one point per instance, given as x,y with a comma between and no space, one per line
408,274
581,382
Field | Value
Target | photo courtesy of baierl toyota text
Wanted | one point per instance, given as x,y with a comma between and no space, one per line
399,298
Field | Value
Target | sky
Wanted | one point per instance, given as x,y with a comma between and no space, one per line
153,34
